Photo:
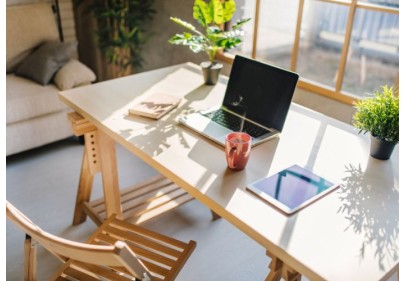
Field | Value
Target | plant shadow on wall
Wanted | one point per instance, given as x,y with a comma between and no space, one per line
359,207
121,31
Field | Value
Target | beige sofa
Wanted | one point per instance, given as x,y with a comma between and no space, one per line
35,116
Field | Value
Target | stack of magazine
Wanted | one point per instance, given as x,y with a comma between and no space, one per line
155,106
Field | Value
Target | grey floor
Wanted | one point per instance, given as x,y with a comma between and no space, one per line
42,183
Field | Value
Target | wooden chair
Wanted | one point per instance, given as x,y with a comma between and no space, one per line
117,251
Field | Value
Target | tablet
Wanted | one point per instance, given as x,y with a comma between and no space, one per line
291,189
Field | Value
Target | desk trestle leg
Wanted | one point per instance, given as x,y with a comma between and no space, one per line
278,270
90,164
138,203
215,216
85,186
94,161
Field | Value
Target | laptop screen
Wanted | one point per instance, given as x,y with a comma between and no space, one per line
260,92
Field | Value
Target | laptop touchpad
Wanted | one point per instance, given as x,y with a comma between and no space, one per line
205,126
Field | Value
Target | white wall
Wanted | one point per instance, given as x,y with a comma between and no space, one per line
158,52
66,11
18,2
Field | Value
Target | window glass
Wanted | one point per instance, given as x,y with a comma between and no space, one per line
278,20
322,36
245,9
373,59
386,3
373,54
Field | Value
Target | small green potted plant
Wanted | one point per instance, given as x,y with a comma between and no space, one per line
379,115
212,16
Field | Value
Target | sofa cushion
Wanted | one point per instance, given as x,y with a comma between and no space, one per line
73,74
36,132
27,99
46,60
27,26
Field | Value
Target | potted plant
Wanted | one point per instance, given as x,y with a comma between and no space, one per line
121,31
379,115
212,16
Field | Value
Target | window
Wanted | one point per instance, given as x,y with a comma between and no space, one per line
343,49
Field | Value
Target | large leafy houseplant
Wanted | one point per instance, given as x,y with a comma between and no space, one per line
121,30
212,16
379,115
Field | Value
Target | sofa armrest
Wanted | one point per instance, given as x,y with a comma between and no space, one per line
73,74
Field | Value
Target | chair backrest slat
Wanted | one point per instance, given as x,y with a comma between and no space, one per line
110,255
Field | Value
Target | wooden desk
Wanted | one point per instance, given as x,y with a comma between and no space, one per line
351,234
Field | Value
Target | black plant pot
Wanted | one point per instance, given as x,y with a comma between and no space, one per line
211,72
381,149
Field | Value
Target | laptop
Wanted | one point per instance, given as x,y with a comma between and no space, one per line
256,101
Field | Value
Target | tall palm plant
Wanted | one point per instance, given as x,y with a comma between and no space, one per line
121,30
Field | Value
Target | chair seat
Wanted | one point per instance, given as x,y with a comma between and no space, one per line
163,256
116,251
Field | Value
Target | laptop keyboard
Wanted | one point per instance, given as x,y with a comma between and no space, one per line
235,123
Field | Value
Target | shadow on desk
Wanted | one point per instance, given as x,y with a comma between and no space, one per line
160,131
359,196
224,182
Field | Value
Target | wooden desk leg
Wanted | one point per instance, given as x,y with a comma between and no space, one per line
109,174
278,270
275,267
215,216
90,166
99,156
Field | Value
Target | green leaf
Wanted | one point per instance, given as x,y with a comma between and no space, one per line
180,39
133,31
211,16
120,28
183,23
201,12
213,30
217,11
379,114
239,23
211,51
195,43
229,10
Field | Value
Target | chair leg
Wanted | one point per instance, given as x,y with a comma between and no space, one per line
30,259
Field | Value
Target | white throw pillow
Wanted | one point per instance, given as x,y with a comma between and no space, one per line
73,74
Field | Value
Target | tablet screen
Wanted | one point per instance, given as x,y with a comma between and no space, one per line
291,189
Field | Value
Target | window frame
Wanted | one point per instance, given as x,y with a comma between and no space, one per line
335,93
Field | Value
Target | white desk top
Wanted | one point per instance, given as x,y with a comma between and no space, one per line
351,234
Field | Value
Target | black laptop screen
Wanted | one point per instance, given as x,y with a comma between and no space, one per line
259,91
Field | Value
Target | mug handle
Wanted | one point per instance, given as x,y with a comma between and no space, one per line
232,156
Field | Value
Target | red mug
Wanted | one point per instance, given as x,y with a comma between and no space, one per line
237,150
